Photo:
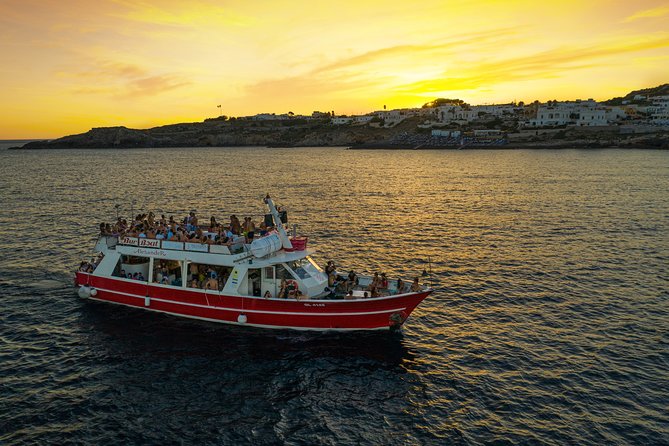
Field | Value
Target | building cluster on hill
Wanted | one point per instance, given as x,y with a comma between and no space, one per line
640,111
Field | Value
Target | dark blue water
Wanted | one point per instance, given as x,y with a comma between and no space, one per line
550,323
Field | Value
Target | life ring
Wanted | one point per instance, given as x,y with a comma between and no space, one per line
294,283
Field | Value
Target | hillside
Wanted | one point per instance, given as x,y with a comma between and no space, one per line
240,132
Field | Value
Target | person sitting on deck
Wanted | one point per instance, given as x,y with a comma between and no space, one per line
349,296
415,286
267,295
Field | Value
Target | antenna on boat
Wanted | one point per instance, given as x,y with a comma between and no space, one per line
285,241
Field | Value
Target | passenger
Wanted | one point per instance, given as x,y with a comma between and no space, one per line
194,284
267,295
384,281
376,282
330,271
140,277
283,292
235,226
212,284
213,225
400,286
122,274
193,270
130,276
300,296
415,286
375,292
291,289
349,296
365,295
352,281
165,281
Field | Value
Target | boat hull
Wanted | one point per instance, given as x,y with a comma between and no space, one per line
338,315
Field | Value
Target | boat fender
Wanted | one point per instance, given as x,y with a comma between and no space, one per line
84,291
94,292
147,301
242,318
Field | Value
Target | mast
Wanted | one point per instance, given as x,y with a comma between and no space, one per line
285,241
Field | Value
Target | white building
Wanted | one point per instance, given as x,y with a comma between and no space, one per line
551,116
451,113
341,120
592,117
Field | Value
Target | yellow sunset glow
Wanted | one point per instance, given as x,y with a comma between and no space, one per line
68,66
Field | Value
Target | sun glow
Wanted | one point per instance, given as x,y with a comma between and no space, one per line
71,66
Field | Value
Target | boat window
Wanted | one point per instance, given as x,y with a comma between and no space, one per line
300,267
167,272
282,273
314,264
269,273
207,277
132,267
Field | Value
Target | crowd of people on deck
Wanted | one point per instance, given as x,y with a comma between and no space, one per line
188,229
378,286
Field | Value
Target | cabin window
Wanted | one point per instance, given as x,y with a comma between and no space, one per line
207,277
167,272
299,266
283,273
132,267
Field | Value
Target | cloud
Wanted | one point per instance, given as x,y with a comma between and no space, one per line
375,68
422,50
660,11
547,64
153,85
107,70
123,80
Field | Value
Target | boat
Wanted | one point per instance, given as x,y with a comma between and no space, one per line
271,282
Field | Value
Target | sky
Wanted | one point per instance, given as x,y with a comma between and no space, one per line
69,65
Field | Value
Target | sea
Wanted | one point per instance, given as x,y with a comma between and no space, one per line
549,324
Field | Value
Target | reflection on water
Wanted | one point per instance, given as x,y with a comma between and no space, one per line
547,325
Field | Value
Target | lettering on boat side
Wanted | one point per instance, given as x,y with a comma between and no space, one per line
314,305
130,241
149,243
149,252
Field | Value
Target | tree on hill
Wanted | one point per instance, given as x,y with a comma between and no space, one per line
443,101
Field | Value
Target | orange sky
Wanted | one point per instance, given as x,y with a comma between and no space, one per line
71,65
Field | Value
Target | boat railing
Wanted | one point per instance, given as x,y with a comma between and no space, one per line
235,248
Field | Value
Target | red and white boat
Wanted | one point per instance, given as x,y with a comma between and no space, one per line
250,275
